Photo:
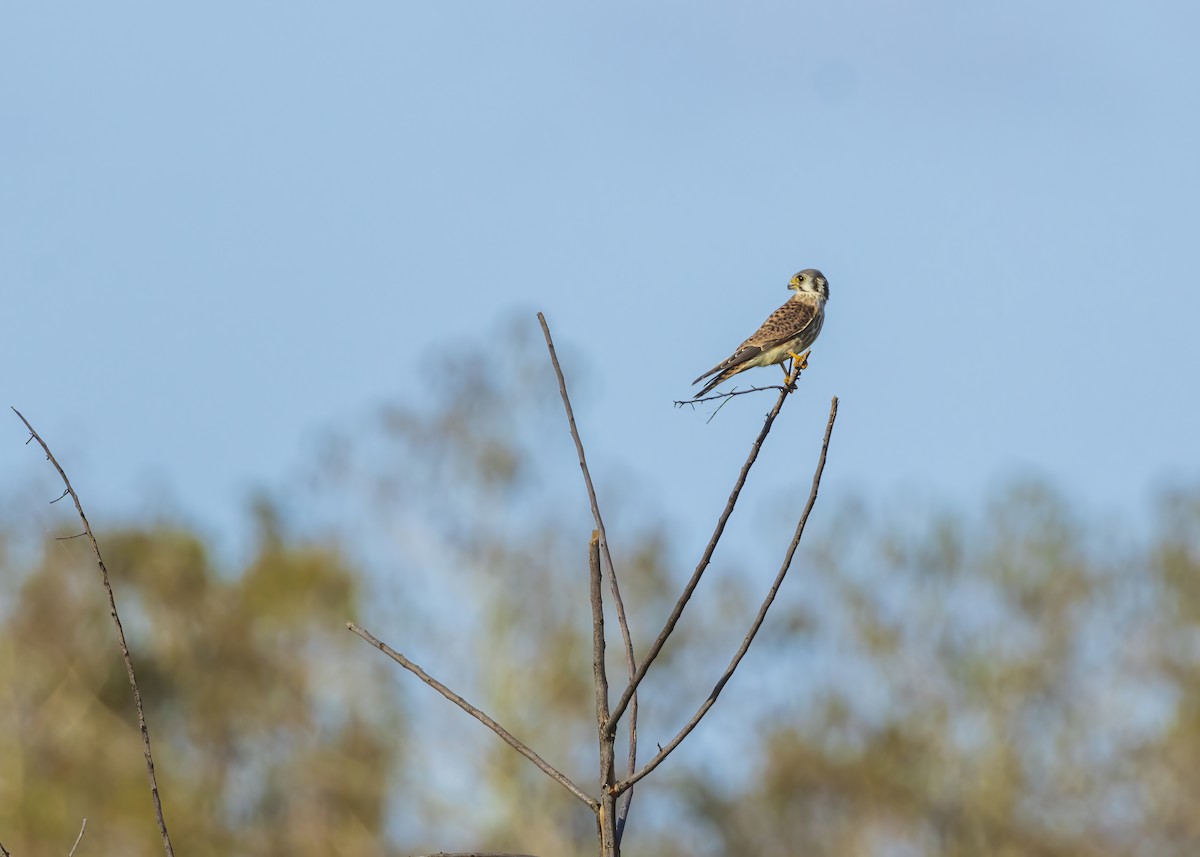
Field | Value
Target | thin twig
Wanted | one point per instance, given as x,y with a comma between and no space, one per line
630,767
791,376
112,609
677,611
627,639
4,851
758,620
718,410
82,828
679,403
591,490
487,721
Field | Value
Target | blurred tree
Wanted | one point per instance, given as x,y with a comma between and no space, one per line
1019,684
1021,679
271,736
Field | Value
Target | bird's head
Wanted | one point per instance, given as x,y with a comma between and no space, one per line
810,281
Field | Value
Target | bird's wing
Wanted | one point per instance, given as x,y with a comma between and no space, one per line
785,323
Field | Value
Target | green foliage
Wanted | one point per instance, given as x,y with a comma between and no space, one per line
1016,682
1018,679
270,735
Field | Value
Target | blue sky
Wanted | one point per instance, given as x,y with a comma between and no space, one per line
226,229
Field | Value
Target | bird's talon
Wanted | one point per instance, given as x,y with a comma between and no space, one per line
799,361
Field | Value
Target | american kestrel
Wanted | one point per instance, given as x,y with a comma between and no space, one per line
789,330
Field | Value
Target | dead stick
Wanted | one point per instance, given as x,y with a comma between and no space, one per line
112,609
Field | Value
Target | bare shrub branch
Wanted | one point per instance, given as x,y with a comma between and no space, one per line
758,619
612,808
82,828
606,819
483,718
677,611
112,609
599,674
729,394
626,637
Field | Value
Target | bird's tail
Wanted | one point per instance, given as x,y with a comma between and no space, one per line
720,378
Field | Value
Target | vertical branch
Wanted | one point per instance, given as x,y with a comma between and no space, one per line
112,609
627,639
606,814
599,674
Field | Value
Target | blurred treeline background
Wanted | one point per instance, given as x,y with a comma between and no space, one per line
1011,678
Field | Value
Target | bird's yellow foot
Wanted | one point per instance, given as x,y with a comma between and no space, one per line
799,361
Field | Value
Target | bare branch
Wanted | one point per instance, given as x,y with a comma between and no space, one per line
112,609
677,611
679,403
626,637
758,620
606,818
630,767
4,851
591,490
599,675
82,828
487,721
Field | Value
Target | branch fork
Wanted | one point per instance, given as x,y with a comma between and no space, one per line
611,808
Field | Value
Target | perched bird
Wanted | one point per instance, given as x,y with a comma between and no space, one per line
789,330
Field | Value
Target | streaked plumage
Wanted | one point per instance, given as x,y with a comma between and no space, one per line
789,330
